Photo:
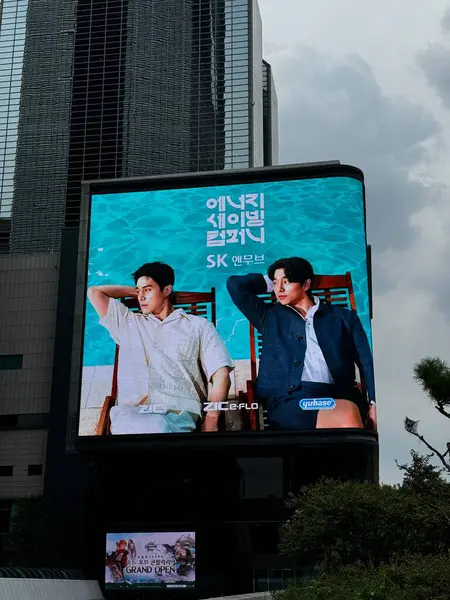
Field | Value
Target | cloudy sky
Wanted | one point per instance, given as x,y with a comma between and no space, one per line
369,84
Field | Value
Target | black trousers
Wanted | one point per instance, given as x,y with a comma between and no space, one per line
284,411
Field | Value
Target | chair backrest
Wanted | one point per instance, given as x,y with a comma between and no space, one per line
335,289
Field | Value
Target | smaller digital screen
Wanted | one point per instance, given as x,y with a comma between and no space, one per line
150,560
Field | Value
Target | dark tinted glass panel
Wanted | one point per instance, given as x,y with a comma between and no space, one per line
11,361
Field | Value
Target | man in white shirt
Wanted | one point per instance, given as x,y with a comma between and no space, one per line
187,361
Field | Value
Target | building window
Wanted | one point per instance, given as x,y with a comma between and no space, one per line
34,469
5,515
262,477
6,470
264,537
11,361
24,421
33,421
9,421
267,580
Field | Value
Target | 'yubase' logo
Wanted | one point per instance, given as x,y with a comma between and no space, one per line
317,404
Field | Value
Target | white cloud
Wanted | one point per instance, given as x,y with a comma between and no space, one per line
410,324
350,87
434,60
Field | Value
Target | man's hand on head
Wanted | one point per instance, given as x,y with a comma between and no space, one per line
99,296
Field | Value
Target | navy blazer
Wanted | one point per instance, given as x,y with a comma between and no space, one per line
339,332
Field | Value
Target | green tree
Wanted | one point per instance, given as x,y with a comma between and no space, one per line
29,543
433,375
373,542
34,540
338,524
425,479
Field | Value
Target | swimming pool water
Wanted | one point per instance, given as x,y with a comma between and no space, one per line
319,219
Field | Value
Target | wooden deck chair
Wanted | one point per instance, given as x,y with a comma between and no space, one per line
200,304
335,289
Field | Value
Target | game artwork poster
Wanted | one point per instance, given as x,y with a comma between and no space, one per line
204,312
150,560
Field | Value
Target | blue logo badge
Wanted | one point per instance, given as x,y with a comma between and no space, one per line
317,404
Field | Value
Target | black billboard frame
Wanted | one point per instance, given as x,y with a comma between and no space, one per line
204,440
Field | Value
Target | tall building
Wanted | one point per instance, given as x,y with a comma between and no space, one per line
118,88
93,89
13,15
270,116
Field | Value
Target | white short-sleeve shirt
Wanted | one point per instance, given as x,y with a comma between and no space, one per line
178,356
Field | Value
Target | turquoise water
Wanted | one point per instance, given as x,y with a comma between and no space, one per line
319,219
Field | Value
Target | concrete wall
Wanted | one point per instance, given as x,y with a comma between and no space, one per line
21,449
49,589
28,297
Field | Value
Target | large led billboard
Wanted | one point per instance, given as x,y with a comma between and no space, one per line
237,307
150,560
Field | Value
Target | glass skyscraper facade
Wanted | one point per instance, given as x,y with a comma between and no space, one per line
270,116
13,14
119,88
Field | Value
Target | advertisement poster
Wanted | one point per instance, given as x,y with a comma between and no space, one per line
228,308
150,560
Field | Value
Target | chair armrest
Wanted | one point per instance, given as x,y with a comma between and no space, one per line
103,422
260,412
254,415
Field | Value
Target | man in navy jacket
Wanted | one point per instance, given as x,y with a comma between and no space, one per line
310,349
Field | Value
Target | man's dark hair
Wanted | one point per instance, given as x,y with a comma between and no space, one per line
297,270
160,272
